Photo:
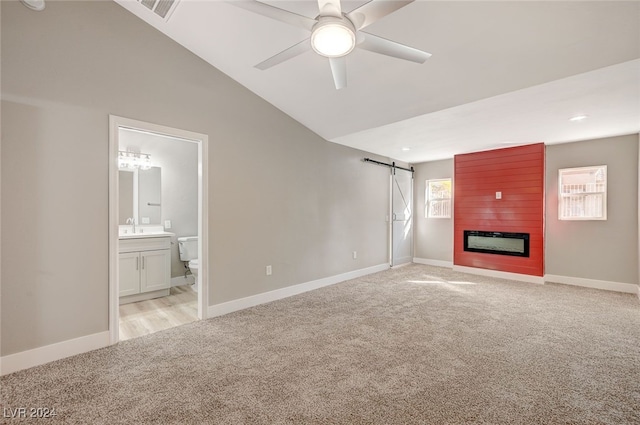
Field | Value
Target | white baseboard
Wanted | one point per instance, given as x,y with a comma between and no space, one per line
278,294
41,355
500,274
182,280
437,263
593,283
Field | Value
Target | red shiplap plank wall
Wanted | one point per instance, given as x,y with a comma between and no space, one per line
519,174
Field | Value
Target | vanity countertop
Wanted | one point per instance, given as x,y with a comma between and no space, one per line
144,235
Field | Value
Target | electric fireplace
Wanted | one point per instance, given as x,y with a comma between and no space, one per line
501,243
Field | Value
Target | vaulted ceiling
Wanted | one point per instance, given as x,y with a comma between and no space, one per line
502,73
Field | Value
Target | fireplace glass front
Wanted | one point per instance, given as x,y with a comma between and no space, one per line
501,243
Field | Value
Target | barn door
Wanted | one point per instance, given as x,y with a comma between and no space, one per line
402,216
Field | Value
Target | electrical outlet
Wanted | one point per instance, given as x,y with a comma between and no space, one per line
355,254
167,224
269,270
145,220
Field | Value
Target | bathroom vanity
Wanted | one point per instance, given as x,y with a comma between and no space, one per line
144,266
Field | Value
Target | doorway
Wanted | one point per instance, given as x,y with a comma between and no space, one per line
143,250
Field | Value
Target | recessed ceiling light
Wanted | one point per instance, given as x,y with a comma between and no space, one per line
578,118
406,149
34,4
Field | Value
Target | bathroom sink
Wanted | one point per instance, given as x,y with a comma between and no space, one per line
142,231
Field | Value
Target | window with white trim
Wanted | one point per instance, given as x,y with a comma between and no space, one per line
438,198
582,193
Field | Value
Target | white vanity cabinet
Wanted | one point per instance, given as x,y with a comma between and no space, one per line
129,273
144,268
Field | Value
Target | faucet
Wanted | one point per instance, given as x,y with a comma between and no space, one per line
132,222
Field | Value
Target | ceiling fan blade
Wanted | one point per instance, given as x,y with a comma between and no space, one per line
369,13
376,44
330,8
339,71
291,52
275,13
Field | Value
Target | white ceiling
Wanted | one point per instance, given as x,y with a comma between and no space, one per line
502,73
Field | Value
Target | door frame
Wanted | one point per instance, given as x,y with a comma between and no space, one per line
115,123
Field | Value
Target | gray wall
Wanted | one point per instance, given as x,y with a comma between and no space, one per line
603,250
433,236
178,160
279,194
1,198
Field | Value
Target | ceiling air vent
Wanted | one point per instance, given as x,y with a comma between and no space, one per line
162,8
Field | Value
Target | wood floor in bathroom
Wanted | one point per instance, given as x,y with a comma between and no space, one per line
146,317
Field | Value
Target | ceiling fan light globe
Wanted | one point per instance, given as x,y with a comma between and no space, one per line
333,40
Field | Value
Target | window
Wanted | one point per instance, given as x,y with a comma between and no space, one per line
582,193
438,199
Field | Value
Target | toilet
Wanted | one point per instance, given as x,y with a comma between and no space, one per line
188,248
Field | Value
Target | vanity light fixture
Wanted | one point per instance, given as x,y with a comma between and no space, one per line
134,160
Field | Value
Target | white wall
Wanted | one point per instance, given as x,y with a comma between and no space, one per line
279,194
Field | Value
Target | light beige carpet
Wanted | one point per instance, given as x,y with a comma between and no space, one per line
416,344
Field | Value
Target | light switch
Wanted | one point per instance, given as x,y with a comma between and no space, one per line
498,195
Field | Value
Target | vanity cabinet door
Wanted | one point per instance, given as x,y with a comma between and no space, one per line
129,273
156,270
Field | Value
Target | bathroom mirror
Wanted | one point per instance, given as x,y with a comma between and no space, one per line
149,196
139,195
126,198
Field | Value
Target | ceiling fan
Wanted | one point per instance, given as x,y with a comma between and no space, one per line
334,34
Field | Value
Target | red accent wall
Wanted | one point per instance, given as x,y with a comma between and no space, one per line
519,174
